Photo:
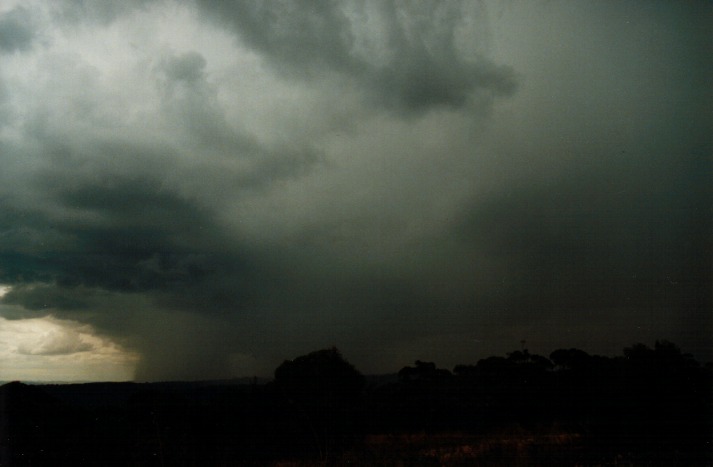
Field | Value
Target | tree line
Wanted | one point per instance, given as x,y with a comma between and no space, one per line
652,405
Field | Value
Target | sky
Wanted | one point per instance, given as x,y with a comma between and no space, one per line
197,189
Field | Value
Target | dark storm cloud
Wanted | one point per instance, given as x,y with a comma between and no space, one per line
192,101
596,243
103,11
408,62
404,55
188,67
94,211
16,30
301,35
125,235
625,240
40,297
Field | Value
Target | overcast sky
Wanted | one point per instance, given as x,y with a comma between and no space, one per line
204,188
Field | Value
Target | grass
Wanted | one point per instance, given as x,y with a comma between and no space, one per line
512,447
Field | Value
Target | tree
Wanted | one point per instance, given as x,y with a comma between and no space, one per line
569,359
323,391
321,375
423,371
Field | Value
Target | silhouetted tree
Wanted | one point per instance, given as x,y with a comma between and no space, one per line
324,391
639,352
423,371
323,375
568,359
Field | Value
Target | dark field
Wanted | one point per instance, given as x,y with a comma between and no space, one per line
651,406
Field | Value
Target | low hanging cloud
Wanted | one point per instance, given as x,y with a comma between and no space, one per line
56,342
51,349
405,56
16,30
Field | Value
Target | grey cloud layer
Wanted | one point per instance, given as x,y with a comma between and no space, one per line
16,30
57,342
404,55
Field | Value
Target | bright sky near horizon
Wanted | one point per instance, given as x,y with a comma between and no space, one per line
202,189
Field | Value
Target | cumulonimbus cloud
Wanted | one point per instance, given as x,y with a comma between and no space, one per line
269,178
